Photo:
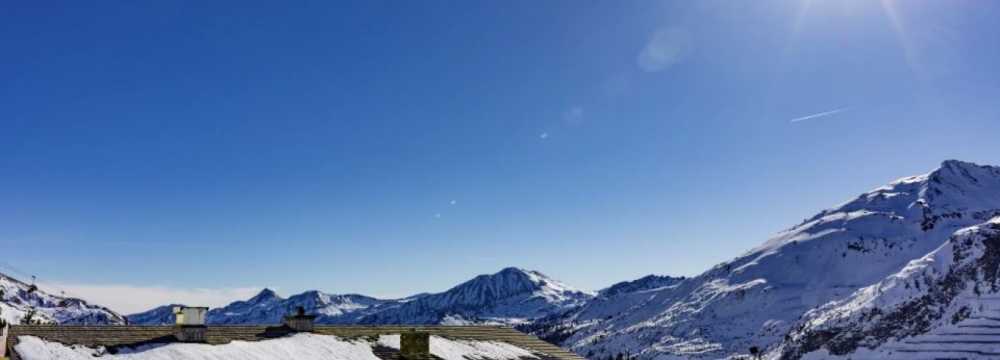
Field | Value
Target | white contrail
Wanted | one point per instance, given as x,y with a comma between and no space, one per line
817,115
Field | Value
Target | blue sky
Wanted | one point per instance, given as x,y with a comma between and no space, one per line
388,148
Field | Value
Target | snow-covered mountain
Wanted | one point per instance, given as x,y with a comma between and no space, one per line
509,296
613,299
264,308
945,305
755,299
21,302
267,307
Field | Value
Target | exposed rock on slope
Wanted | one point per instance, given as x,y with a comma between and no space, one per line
943,305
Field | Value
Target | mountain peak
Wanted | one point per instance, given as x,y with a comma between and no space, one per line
953,163
507,280
525,274
512,270
965,169
520,280
970,171
264,295
958,186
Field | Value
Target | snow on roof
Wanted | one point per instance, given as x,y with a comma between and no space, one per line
299,346
448,349
302,346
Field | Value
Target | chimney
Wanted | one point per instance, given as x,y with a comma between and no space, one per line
300,322
190,323
415,345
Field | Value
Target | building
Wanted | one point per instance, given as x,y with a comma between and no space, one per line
298,338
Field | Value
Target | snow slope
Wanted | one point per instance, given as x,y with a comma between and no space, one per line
648,282
301,346
754,299
943,305
18,299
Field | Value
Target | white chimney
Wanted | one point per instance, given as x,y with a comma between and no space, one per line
190,323
190,316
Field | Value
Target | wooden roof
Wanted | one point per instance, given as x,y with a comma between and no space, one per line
130,336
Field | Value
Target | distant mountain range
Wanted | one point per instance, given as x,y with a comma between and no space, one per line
511,296
908,270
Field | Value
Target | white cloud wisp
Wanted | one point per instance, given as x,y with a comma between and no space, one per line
130,299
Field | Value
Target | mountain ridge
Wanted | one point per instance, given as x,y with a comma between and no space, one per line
507,297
